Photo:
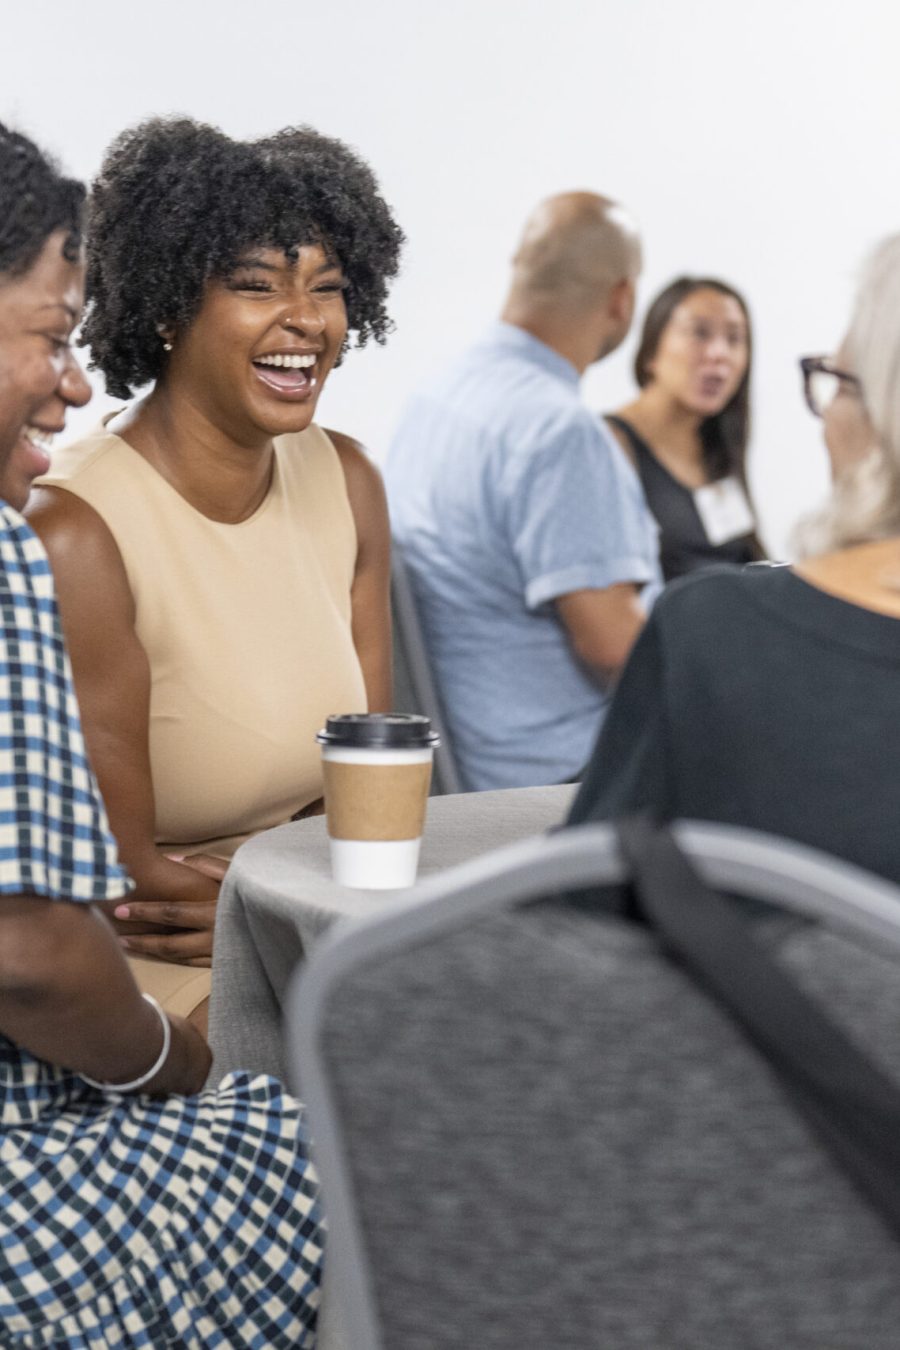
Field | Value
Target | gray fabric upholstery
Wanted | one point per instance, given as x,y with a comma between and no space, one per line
554,1140
415,688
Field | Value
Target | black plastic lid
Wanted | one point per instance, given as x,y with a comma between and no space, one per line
379,731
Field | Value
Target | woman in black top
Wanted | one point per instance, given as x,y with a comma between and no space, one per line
767,697
686,432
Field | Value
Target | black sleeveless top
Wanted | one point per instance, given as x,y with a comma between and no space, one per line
683,544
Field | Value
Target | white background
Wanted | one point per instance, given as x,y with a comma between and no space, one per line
756,141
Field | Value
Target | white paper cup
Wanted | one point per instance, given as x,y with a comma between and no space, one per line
375,796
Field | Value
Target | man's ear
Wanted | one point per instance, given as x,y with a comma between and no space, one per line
621,301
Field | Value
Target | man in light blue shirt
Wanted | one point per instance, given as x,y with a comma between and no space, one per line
530,547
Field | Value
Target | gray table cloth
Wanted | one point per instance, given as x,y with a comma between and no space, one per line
278,897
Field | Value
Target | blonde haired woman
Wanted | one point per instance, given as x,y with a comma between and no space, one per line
767,697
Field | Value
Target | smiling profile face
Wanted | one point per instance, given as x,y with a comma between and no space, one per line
703,352
256,356
39,376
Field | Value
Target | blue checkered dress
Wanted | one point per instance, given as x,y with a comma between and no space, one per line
191,1222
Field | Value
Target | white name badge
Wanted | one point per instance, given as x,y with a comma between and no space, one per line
724,510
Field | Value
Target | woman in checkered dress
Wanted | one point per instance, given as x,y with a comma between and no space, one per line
136,1211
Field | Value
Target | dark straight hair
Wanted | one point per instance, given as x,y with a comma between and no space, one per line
724,437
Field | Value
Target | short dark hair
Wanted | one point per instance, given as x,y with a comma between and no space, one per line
36,200
724,437
177,203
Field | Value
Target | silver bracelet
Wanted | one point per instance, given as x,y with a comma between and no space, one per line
154,1067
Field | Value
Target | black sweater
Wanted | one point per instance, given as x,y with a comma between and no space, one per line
753,698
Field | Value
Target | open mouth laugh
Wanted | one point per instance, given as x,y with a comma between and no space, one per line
290,375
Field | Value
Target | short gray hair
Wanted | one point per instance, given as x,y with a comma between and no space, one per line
865,501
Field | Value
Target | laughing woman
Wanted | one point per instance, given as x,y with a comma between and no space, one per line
222,562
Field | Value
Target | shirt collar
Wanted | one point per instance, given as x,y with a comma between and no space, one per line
513,338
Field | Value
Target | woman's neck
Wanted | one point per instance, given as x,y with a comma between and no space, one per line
221,478
866,575
672,432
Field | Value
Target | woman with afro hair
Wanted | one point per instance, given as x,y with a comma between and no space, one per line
222,562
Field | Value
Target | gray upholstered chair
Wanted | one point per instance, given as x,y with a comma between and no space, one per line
415,689
535,1132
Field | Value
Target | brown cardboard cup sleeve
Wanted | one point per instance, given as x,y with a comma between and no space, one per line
376,801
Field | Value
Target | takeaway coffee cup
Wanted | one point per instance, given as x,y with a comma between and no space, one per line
377,770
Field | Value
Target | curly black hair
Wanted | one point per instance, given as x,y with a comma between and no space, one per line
177,203
35,201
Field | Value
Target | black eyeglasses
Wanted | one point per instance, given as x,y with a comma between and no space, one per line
821,381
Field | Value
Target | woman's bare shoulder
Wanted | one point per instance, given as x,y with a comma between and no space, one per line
352,453
64,521
87,566
362,474
365,488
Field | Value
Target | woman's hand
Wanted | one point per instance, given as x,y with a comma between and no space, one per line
204,863
190,942
192,921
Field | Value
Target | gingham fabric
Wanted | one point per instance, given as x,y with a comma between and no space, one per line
124,1222
54,838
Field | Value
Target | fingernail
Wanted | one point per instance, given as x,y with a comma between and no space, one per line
121,912
124,942
175,857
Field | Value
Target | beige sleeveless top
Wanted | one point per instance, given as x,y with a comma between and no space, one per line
247,629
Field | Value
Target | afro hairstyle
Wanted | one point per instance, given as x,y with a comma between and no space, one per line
177,203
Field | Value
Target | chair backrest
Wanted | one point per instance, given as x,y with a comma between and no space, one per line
534,1131
415,689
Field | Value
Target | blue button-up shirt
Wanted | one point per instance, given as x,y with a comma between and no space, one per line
506,492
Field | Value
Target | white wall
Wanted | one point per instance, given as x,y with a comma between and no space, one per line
757,141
